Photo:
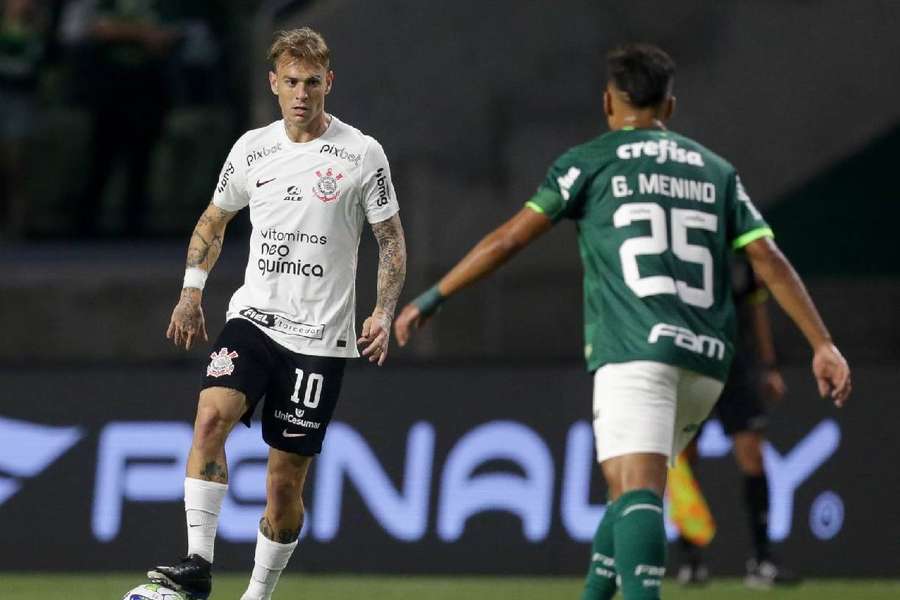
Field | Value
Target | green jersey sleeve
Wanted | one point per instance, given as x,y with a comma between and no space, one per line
745,223
563,191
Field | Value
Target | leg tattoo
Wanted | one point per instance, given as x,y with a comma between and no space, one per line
282,536
214,471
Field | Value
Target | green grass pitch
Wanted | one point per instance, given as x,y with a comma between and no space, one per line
42,586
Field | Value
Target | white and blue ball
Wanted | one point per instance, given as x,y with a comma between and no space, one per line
153,591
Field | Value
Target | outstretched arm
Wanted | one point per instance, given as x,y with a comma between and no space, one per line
492,251
376,331
203,251
829,367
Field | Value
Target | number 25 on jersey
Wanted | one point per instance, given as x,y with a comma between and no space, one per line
658,242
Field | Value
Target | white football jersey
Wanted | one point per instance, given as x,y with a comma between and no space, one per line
307,205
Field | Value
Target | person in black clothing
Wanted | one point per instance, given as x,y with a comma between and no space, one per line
754,378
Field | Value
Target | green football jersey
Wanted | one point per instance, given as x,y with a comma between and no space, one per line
657,217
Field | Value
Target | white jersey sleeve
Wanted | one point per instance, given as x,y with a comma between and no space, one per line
231,192
379,200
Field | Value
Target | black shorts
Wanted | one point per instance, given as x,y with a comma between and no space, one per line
741,407
299,391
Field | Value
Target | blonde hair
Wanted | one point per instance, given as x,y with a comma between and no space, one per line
302,44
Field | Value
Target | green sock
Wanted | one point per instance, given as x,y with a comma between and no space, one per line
600,583
640,542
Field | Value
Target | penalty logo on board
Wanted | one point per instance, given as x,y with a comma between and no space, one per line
326,188
222,363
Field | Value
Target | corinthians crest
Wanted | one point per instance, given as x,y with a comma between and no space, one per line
222,363
327,188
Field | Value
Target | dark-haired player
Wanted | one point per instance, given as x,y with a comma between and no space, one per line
310,182
657,217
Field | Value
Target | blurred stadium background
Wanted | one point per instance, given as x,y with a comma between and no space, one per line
471,451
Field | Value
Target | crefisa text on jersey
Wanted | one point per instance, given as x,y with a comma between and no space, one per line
663,150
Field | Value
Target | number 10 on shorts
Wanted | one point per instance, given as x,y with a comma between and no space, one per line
314,384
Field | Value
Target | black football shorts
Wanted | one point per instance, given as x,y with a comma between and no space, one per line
299,391
741,406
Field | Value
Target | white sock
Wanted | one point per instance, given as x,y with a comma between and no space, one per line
202,503
270,560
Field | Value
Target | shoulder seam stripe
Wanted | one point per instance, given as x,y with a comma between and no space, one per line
535,207
752,236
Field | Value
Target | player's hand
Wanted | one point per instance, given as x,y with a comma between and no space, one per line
832,373
187,322
409,320
376,336
773,385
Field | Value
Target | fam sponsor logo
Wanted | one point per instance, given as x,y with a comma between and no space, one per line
227,172
327,188
340,152
663,150
384,192
293,194
687,339
222,363
302,237
260,153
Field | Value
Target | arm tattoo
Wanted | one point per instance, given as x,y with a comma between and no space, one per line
206,240
391,262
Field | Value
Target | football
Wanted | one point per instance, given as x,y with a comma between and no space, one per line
153,591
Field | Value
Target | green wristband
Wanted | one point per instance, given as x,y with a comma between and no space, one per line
428,302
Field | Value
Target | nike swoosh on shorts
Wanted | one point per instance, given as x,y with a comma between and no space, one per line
286,433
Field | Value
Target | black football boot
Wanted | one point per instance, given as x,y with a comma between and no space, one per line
192,576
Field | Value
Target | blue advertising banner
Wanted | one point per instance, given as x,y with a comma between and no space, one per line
425,469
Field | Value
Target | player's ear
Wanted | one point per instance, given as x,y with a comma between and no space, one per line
668,108
329,81
273,81
607,103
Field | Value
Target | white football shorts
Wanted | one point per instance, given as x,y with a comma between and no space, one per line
645,406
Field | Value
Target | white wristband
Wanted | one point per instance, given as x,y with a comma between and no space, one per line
195,278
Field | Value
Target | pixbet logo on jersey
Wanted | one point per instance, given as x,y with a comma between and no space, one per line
258,153
327,188
341,152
